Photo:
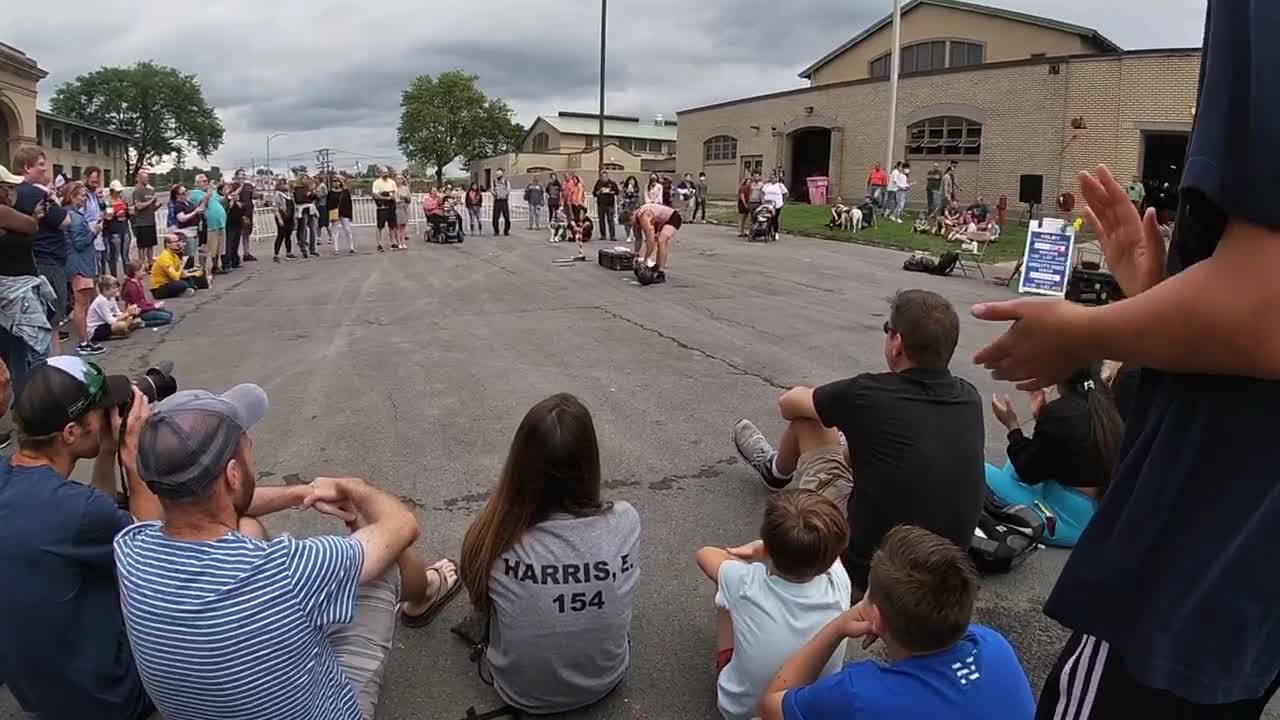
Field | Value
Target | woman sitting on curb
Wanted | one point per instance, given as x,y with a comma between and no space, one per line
1064,469
553,566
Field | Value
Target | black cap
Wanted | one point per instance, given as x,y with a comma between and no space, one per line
62,389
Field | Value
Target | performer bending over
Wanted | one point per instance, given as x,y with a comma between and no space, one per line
657,224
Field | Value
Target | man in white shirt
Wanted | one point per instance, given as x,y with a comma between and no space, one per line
899,184
775,194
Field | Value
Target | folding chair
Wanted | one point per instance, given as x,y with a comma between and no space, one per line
983,239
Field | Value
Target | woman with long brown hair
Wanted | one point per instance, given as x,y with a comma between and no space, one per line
554,567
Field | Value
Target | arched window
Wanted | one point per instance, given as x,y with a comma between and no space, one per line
541,142
537,169
721,148
944,135
613,167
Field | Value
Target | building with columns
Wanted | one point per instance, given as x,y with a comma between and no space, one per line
69,145
1003,94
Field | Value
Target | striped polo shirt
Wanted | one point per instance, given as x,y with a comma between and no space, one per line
235,628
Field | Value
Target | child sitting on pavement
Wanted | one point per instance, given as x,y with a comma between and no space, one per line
106,321
152,314
919,602
776,593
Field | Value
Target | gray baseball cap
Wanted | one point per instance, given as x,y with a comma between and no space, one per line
190,437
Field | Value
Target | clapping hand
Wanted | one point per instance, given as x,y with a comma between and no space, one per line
1002,408
751,552
1133,246
329,496
1043,346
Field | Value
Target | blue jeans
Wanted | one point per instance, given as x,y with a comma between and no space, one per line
156,317
19,357
1072,509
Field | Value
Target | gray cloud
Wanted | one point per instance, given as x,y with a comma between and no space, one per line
330,72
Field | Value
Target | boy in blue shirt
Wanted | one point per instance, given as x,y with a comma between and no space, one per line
919,601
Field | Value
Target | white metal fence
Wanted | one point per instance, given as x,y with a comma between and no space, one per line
364,214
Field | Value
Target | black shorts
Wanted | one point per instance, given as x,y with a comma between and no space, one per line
101,333
145,235
387,217
742,208
674,222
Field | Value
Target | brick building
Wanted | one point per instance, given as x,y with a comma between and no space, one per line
1004,94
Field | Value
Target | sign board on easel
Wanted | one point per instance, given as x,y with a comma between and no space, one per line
1046,261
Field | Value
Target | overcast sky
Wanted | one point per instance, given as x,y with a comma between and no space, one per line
330,72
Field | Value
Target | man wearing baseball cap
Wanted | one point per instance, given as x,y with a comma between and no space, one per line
63,649
227,623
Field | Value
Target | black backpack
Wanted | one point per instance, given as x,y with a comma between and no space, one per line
1006,536
944,265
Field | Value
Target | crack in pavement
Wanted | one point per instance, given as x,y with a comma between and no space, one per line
738,369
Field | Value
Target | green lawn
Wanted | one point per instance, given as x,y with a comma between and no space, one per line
812,221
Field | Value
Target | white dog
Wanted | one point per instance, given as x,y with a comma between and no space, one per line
854,221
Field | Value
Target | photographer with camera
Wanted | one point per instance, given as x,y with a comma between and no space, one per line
64,651
227,623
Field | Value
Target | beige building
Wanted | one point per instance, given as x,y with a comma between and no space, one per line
568,142
70,145
1003,94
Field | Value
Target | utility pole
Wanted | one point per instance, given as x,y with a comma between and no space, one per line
324,165
895,61
604,9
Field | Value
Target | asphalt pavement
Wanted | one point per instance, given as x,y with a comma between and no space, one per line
412,370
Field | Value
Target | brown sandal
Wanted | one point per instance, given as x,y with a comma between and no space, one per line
444,594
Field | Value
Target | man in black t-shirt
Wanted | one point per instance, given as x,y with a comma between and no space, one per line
1172,594
914,434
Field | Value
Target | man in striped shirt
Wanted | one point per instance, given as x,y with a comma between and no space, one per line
228,624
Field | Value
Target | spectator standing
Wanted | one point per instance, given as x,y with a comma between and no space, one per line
1136,192
340,205
143,215
231,201
403,196
28,317
245,201
629,202
950,185
49,245
306,623
322,208
152,314
81,265
666,191
304,214
283,202
534,198
933,188
553,647
940,664
116,228
653,193
184,217
474,201
92,210
774,594
689,194
555,192
876,185
215,223
744,204
575,197
774,193
606,194
700,198
501,194
1167,595
891,193
384,197
66,654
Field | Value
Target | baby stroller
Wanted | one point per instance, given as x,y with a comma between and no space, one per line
762,224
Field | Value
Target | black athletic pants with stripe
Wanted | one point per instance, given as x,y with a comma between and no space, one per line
1089,682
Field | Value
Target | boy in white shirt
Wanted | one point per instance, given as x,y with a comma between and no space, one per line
776,593
106,321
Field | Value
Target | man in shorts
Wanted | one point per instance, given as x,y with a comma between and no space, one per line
384,196
143,217
657,224
913,434
49,244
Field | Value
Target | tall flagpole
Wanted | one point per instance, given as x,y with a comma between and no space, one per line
604,8
894,61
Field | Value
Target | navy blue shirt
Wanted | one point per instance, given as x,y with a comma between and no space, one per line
49,244
63,649
978,677
1177,569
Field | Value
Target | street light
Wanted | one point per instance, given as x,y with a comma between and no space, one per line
604,7
269,139
894,65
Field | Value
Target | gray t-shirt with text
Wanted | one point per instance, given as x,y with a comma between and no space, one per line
562,599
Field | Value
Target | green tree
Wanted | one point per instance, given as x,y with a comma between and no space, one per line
163,110
448,117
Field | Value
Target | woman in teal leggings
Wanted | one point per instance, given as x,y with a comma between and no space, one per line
1064,468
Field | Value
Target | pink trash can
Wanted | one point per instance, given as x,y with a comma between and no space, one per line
818,190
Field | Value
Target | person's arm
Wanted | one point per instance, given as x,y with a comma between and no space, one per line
172,269
143,504
17,222
386,529
797,404
711,559
268,500
805,665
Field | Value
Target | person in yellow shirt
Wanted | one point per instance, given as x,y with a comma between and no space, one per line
168,278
